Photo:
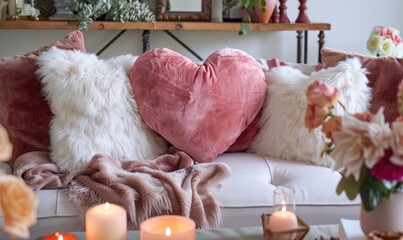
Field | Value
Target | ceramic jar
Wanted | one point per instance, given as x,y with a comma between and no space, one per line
264,17
386,216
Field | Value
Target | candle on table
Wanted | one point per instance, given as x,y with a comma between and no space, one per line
283,220
170,227
106,222
60,236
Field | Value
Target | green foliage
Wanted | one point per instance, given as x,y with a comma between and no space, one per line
88,10
371,189
130,11
350,186
116,10
249,6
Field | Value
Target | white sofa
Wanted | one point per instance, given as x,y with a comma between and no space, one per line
244,196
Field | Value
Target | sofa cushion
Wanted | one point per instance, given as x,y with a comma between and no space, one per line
384,74
94,110
282,133
200,109
23,110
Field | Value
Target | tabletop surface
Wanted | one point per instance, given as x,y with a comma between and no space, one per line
244,233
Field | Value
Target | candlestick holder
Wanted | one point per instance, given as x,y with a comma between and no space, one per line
294,234
283,12
302,16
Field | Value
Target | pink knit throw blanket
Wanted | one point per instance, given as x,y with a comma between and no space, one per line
169,184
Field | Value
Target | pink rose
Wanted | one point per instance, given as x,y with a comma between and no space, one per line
321,94
330,126
314,116
18,203
396,38
387,33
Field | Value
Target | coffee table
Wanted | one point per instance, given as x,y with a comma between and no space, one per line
245,233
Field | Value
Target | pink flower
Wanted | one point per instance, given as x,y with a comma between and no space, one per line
348,146
321,94
389,32
386,170
330,126
18,203
315,116
360,142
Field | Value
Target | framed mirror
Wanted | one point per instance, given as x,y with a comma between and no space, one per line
183,10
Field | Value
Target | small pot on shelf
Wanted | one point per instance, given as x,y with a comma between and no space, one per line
264,9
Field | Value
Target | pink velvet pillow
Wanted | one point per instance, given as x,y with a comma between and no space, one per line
200,109
384,75
23,110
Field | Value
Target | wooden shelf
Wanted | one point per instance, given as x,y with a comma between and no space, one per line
300,28
202,26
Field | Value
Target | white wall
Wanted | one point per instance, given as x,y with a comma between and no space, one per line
351,20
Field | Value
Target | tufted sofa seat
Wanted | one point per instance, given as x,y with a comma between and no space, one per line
244,196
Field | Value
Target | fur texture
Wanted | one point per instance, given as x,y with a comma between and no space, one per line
283,133
94,109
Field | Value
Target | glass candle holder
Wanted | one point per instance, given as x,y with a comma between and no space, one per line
283,217
284,197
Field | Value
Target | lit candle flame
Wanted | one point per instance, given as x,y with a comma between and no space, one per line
168,232
106,207
60,237
283,202
283,209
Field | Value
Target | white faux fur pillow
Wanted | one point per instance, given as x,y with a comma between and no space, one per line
94,109
282,131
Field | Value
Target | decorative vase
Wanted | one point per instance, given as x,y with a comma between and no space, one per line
216,11
264,17
386,216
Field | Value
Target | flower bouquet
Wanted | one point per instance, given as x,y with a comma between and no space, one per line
385,41
368,150
18,202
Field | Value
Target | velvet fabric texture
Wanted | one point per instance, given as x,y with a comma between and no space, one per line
23,110
200,109
384,75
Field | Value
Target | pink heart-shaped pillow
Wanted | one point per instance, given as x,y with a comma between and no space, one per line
200,109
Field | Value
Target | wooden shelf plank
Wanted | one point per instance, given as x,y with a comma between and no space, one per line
161,25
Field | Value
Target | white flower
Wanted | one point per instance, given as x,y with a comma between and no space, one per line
398,50
386,47
379,133
373,42
348,144
360,142
385,41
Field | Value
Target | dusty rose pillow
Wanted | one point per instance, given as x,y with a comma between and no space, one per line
23,110
384,75
200,109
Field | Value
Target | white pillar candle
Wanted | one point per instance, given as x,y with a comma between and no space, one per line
283,220
106,222
170,227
